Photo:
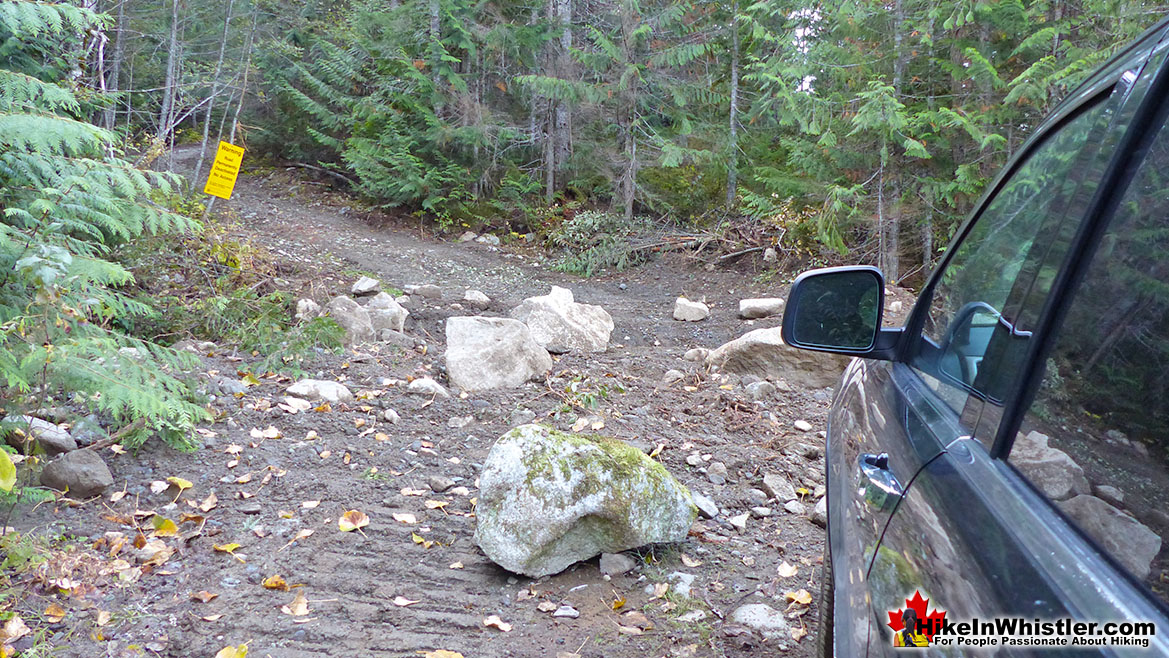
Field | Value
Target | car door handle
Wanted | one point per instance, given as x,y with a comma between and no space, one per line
878,486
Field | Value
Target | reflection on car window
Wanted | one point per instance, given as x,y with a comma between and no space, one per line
974,317
1096,439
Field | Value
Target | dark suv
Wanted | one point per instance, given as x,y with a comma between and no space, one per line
1005,454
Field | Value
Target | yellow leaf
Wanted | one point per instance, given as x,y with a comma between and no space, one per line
657,451
164,527
618,603
7,472
54,613
801,596
229,549
440,653
405,517
799,633
436,504
786,570
352,520
182,484
276,582
233,652
103,617
690,562
454,565
250,380
203,596
298,607
212,617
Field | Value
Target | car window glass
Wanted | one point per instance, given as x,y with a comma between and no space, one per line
1096,439
1029,223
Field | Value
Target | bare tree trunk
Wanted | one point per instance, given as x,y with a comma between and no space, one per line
115,73
243,92
733,120
214,91
892,228
435,34
172,65
562,128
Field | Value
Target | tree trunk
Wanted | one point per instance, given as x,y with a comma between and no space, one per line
562,128
892,229
435,35
115,73
733,119
214,92
169,90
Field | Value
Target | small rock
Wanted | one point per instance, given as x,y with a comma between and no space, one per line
352,317
895,307
521,416
779,488
81,472
769,622
250,508
459,422
740,521
615,564
468,236
770,256
321,389
307,309
391,416
795,507
682,583
558,320
672,376
760,512
717,473
820,513
429,291
486,353
427,386
705,505
689,311
803,425
1110,494
753,309
365,286
760,391
439,484
386,314
488,239
694,459
696,355
692,617
51,438
566,610
397,338
476,299
808,451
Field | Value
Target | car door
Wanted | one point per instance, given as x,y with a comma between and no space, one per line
967,535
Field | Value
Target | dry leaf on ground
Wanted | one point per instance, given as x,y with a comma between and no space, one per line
298,607
353,520
276,582
54,613
402,601
233,652
439,653
182,484
802,597
203,596
405,517
495,622
786,570
690,562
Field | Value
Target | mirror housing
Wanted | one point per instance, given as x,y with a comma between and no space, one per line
839,310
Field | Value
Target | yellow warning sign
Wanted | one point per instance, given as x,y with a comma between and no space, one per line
221,180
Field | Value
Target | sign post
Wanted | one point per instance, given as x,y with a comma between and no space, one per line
225,169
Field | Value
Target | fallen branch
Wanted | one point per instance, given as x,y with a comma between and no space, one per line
117,436
330,172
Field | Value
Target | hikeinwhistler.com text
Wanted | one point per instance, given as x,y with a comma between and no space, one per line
1040,633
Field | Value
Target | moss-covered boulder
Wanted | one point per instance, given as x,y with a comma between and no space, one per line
549,499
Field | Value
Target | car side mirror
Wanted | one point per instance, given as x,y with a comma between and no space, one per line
838,309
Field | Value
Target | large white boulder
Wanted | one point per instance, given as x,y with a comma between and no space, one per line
353,318
385,313
1056,474
690,311
486,353
320,390
761,307
365,286
549,499
763,353
1131,542
557,320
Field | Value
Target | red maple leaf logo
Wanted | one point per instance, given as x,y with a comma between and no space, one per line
931,623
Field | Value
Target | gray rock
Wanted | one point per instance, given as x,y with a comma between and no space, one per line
763,307
770,256
779,488
476,299
1109,494
47,436
250,508
760,391
488,239
795,507
615,564
557,319
672,376
230,385
521,417
353,318
321,389
696,355
683,582
549,499
820,512
88,430
391,416
468,236
705,505
365,286
757,496
1052,470
762,618
459,422
808,451
566,610
385,313
1131,542
694,459
717,473
762,353
760,512
82,473
488,353
397,338
802,425
689,311
439,484
428,291
894,307
427,386
307,309
739,521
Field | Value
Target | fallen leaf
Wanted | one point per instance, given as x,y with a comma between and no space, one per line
436,504
212,617
182,484
298,607
495,622
381,436
353,520
233,652
312,435
300,535
233,449
209,502
117,449
439,653
402,601
229,549
159,486
102,617
799,633
632,630
580,424
660,590
244,479
203,596
325,454
14,629
405,517
547,606
786,570
310,504
636,619
276,582
249,380
657,451
118,495
407,491
801,596
456,565
54,613
690,562
164,527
